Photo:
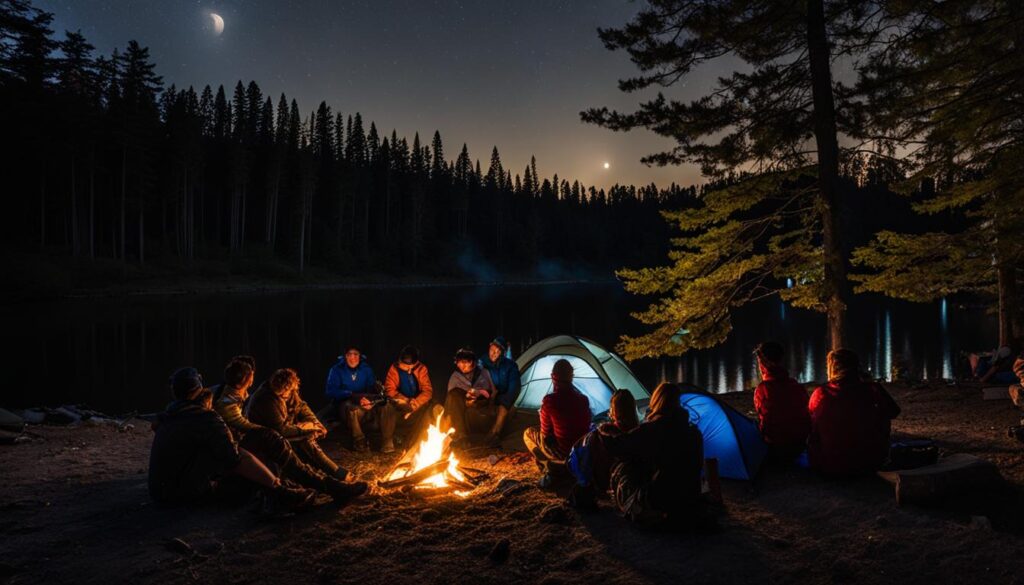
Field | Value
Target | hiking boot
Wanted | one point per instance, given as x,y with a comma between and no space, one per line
360,445
343,492
492,440
285,499
388,446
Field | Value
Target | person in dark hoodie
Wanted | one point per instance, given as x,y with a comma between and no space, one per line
276,404
850,420
505,374
267,444
589,461
781,405
353,391
470,403
657,474
194,459
564,418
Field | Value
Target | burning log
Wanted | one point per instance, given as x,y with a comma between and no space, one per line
416,476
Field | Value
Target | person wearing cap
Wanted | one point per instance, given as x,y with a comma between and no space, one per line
194,459
276,404
505,374
409,391
267,444
781,405
564,418
353,392
471,402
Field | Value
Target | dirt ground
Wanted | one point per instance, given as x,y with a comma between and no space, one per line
74,509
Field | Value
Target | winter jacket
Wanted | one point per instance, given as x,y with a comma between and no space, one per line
280,413
481,380
668,451
506,378
343,381
191,448
228,404
564,416
781,405
850,427
414,384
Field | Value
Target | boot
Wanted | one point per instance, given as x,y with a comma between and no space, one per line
285,499
388,446
343,492
360,445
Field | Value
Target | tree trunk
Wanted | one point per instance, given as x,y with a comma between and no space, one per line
42,209
825,134
92,206
124,163
142,235
75,246
1008,302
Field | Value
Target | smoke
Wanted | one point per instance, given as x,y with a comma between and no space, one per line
472,263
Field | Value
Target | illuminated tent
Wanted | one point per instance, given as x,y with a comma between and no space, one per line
597,372
729,436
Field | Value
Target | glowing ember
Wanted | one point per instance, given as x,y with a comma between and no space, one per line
430,451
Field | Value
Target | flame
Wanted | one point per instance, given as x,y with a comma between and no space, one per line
430,451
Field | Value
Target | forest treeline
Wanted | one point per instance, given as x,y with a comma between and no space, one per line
105,161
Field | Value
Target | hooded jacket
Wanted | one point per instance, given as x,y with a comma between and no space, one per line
505,375
191,447
282,414
343,381
781,405
564,415
850,427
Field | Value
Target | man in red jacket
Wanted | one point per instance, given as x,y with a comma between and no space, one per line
781,405
564,418
850,420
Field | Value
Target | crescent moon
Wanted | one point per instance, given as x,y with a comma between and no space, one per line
218,23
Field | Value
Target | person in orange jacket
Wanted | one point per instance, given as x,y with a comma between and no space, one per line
407,385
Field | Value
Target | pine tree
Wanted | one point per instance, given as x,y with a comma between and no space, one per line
777,117
948,90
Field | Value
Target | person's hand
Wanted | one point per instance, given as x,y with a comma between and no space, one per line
403,404
365,403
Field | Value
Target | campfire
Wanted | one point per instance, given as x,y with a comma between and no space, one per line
430,467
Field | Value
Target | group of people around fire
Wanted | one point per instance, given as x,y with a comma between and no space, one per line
228,442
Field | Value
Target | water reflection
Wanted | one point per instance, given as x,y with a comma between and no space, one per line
115,354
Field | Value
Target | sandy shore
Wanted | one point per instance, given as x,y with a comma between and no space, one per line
74,509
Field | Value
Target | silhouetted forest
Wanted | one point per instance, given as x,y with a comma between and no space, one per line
105,161
107,165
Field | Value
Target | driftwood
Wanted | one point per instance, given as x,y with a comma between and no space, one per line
464,485
417,476
951,476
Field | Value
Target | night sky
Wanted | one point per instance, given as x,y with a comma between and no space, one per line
509,73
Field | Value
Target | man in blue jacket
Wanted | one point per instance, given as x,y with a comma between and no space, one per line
352,389
505,375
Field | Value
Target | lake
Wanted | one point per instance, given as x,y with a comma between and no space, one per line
114,354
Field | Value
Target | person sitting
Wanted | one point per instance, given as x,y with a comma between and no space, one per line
657,474
276,404
267,444
352,390
409,391
850,420
997,366
781,405
589,461
470,403
564,418
505,374
193,458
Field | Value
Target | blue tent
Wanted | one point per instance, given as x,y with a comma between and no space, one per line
729,436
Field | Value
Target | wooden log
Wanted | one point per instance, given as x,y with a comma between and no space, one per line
453,481
417,476
951,476
995,393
